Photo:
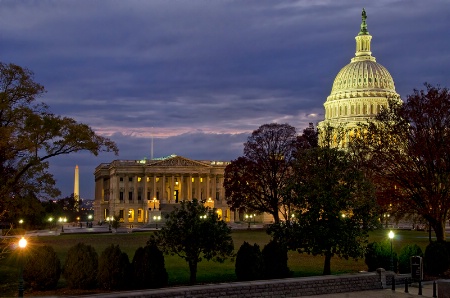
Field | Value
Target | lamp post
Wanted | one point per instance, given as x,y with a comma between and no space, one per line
109,223
248,218
391,237
90,220
62,220
156,218
50,220
22,245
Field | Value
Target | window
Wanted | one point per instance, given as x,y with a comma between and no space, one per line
130,179
148,195
130,195
217,195
139,196
121,214
121,178
139,179
121,195
148,179
193,179
157,195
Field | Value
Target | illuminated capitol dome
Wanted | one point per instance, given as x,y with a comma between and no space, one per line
360,88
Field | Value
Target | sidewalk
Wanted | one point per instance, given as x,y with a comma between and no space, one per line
413,291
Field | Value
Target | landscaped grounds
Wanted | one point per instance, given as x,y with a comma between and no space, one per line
177,268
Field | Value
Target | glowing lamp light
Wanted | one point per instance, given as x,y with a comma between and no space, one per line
23,242
391,235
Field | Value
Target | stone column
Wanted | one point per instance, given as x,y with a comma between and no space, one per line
198,190
154,187
214,184
163,189
208,181
189,188
172,189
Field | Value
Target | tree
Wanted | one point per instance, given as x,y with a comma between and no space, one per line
257,180
249,262
311,135
114,269
81,267
42,268
149,269
406,150
194,232
31,135
334,206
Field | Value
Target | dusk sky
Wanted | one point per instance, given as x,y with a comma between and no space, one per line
200,76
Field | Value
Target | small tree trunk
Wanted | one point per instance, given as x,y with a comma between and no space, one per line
193,272
439,230
327,264
276,217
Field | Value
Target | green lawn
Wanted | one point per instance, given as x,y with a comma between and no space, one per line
300,264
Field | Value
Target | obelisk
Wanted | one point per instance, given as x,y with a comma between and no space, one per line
76,189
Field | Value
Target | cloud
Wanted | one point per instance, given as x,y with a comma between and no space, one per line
201,75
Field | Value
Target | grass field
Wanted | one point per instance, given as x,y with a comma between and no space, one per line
208,272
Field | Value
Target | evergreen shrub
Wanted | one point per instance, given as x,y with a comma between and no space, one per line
80,268
378,255
275,260
149,269
436,259
404,258
249,262
42,268
114,269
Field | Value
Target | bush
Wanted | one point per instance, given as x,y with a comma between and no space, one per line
249,263
436,259
378,255
42,268
275,261
80,268
113,269
149,268
404,258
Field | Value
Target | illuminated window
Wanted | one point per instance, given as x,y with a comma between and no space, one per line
193,179
139,179
157,179
148,179
201,179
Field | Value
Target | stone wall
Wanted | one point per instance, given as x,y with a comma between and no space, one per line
289,287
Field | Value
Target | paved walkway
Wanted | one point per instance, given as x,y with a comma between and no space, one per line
413,291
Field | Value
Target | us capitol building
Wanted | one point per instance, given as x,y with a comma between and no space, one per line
142,191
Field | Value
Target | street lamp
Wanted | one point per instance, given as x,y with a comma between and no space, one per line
391,237
249,219
62,221
22,245
156,218
50,220
90,220
108,219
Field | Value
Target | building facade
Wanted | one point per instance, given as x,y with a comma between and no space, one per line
141,191
360,90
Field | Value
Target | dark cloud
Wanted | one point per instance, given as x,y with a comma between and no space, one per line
200,75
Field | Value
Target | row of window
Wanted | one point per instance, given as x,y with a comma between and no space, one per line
139,195
139,179
343,110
